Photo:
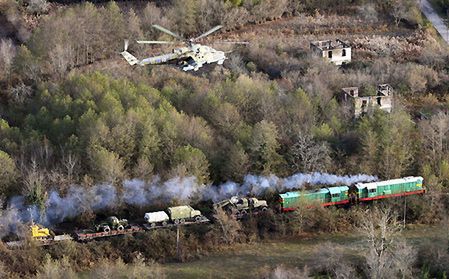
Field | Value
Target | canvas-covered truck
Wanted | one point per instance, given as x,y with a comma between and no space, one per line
183,213
157,218
242,206
112,223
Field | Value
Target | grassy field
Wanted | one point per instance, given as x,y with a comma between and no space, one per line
243,261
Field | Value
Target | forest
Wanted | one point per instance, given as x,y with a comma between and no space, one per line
73,113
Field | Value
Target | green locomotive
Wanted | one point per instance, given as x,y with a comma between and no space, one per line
359,192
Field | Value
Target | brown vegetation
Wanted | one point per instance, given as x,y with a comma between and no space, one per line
71,112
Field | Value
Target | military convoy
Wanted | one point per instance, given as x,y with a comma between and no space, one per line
241,207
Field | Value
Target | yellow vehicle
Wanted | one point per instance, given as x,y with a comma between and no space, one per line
39,231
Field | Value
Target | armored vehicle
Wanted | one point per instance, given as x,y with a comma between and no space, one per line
112,223
241,206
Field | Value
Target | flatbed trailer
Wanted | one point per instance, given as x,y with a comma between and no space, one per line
148,227
88,235
39,241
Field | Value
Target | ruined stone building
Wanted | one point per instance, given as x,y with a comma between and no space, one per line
360,105
337,52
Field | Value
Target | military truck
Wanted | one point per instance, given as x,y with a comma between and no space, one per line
242,206
183,213
157,218
112,223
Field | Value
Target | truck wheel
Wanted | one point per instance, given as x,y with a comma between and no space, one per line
176,221
243,212
183,221
198,219
264,209
164,223
106,229
120,228
153,225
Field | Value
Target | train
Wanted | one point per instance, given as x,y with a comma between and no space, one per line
353,194
345,195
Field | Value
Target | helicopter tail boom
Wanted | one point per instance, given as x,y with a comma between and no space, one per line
131,59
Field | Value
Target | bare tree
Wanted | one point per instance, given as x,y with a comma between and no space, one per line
404,258
69,163
7,53
398,10
435,132
60,59
330,259
227,226
380,228
37,6
20,92
308,155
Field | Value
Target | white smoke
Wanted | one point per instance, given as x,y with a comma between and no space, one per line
137,192
78,200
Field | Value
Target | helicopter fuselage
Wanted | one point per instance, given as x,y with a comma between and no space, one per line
191,57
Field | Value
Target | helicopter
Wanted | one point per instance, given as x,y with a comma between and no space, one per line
192,56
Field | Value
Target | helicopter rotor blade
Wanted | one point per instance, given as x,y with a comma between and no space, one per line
160,28
208,32
228,42
155,42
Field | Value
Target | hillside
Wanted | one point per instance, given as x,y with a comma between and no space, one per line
85,135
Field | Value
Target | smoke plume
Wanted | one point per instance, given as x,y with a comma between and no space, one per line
141,193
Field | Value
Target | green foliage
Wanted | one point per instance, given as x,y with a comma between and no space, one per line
191,161
8,174
387,143
263,148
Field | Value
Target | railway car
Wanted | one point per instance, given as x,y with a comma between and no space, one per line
360,192
325,197
406,186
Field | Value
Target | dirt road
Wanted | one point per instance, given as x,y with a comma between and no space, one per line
436,20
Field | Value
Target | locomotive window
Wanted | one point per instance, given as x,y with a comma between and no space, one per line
372,190
335,195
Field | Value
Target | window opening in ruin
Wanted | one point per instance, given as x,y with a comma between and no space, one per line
329,54
364,103
344,52
379,101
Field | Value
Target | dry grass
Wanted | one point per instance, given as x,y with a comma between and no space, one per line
250,258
